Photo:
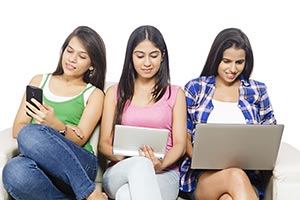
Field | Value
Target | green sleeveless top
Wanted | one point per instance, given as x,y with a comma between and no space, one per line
69,111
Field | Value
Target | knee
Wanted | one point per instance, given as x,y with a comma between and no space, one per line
237,175
123,193
30,136
15,174
140,163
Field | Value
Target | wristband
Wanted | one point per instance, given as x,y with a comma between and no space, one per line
63,132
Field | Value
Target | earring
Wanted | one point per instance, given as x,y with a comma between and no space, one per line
91,73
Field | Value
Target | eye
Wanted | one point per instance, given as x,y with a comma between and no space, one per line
226,61
82,56
139,55
69,50
240,62
154,56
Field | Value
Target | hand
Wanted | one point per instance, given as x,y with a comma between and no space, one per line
43,115
148,152
76,130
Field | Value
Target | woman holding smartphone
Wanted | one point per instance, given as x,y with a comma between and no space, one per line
56,160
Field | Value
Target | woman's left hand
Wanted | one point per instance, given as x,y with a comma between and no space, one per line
148,152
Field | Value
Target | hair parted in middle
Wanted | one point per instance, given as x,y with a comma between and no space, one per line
126,83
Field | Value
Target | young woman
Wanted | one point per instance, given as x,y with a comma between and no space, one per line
224,84
56,159
144,97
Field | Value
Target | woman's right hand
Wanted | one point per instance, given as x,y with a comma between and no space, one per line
43,115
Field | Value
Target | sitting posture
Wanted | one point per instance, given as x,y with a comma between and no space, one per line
224,94
56,160
144,98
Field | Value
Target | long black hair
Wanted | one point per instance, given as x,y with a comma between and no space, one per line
126,83
224,40
96,50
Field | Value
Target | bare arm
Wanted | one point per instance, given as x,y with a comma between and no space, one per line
89,119
21,118
106,134
189,146
179,129
46,116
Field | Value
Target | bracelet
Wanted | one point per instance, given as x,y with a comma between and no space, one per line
63,132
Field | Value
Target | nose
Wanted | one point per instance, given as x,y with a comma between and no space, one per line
233,67
72,58
147,61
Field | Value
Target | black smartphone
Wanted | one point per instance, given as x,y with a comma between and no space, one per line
34,92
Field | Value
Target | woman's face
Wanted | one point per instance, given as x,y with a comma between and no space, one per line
76,60
146,59
231,65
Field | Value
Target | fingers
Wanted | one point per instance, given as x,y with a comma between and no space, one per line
34,107
38,105
31,110
147,151
77,131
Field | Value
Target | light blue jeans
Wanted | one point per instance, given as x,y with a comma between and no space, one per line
135,179
49,167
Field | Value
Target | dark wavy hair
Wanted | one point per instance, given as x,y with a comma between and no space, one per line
96,50
126,83
224,40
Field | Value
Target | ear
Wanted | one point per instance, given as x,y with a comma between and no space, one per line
162,55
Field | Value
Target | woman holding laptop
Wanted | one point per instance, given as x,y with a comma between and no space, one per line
144,97
225,83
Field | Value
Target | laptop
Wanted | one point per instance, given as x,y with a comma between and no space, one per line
128,140
220,146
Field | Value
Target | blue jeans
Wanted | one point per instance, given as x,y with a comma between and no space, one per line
49,167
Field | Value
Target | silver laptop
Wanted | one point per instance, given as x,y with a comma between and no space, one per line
128,140
219,146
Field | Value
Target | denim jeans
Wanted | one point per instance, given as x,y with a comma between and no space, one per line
135,179
49,167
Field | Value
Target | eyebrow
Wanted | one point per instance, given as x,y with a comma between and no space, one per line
224,58
140,51
85,52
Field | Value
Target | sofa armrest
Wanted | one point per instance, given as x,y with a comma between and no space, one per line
286,174
288,163
8,149
8,145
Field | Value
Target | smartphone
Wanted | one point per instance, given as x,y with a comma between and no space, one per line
33,92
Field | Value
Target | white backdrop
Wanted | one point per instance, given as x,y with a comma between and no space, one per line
33,31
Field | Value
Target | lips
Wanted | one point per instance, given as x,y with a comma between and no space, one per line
70,67
148,70
231,76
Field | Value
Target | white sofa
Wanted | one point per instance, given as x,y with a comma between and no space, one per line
284,185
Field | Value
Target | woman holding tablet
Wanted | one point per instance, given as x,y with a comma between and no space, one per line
144,97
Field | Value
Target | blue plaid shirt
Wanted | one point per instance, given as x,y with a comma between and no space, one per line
253,101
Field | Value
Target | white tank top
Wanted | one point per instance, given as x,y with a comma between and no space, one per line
226,112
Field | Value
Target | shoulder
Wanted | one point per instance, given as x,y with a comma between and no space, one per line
36,80
196,84
255,84
98,92
96,95
176,91
111,93
111,89
255,87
